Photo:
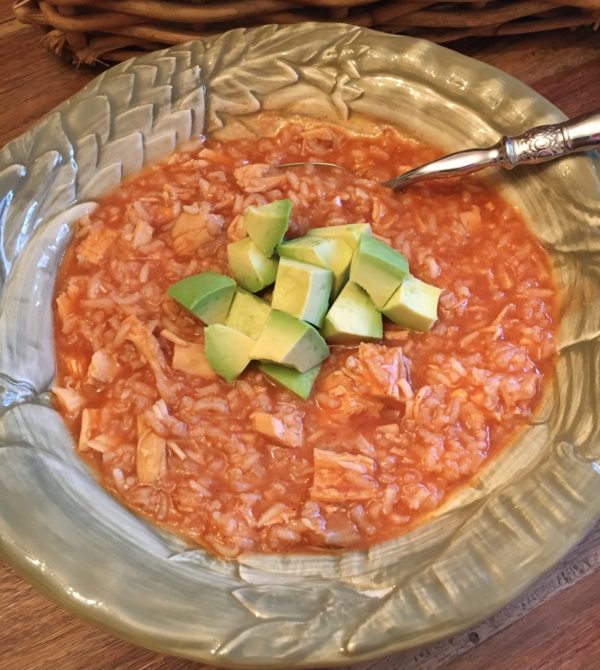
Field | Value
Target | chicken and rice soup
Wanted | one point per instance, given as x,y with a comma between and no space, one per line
391,428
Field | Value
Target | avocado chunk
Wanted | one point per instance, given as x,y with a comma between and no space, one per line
329,253
248,313
227,350
207,295
253,270
350,233
378,269
414,304
300,383
291,342
352,318
267,224
302,290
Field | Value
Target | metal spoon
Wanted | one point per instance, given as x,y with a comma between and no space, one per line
537,145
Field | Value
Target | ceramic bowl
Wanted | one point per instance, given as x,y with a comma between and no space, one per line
528,506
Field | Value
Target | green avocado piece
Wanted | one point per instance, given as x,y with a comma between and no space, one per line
330,253
302,290
267,224
248,313
207,295
253,270
352,318
289,341
300,383
227,350
414,304
350,233
378,268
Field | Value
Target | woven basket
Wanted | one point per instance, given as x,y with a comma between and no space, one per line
113,30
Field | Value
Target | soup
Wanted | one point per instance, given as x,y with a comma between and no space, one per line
390,429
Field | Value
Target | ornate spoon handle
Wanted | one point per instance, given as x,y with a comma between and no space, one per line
545,143
540,144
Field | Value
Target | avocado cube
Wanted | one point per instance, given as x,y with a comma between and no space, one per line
378,269
414,304
300,383
207,295
253,270
352,318
227,350
267,224
329,253
302,290
349,233
289,341
248,313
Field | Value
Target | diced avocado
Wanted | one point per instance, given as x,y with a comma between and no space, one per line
207,295
300,383
289,341
330,253
352,318
248,313
378,268
414,304
267,224
302,290
253,270
349,233
227,350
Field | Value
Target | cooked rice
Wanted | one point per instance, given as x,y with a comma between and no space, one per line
390,430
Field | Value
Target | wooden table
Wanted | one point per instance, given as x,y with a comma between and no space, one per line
552,626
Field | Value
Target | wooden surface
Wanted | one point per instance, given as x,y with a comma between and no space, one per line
552,626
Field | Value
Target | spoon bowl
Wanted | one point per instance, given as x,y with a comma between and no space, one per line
537,145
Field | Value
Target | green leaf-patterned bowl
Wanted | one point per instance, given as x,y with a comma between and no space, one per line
518,517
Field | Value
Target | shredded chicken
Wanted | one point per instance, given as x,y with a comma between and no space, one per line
277,513
341,393
94,246
192,359
235,229
71,401
328,527
103,443
147,346
340,531
177,450
286,430
162,422
189,233
379,369
90,419
253,178
76,367
64,305
318,141
319,133
471,219
377,375
142,234
103,367
167,334
151,454
341,476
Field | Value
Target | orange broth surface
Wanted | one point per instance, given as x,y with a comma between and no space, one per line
390,429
